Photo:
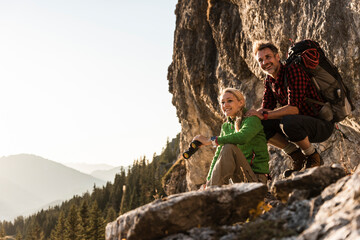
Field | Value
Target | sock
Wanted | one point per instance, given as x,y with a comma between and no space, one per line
290,148
309,151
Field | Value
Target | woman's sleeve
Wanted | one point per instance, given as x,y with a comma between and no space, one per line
251,126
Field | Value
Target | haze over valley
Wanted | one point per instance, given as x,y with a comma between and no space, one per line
29,183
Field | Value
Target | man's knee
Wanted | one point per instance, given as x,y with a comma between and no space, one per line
271,127
291,127
290,121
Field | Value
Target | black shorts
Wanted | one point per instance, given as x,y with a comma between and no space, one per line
298,127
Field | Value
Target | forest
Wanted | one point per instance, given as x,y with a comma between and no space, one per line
85,217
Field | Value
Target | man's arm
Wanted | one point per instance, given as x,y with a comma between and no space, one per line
274,114
283,111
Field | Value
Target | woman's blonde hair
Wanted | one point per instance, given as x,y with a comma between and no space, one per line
236,92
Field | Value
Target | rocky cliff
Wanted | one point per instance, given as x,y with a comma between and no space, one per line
213,50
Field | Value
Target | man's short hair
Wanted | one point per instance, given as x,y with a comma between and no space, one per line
260,45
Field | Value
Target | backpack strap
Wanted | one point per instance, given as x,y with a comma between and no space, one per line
310,101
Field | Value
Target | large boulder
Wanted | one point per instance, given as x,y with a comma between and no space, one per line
337,211
180,212
309,183
316,211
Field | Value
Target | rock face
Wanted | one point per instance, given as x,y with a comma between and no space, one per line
178,213
213,50
334,214
322,210
307,184
337,211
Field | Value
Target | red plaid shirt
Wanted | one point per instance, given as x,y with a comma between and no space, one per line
299,86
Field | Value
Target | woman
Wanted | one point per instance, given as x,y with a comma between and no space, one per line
241,154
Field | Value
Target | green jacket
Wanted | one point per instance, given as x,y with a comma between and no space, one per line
251,141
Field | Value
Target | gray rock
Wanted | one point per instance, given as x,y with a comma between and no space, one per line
307,184
334,214
259,230
208,233
181,212
338,215
295,216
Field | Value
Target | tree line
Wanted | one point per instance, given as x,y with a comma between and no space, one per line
85,217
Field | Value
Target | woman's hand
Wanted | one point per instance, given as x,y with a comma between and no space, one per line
204,140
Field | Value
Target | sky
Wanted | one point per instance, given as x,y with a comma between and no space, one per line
85,81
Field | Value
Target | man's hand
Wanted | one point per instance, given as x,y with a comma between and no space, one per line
253,112
274,114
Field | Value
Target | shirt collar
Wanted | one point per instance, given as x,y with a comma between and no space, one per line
279,76
233,120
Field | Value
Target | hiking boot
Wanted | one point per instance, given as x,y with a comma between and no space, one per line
298,160
314,160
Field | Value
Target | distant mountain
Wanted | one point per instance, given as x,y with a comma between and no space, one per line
106,175
88,168
104,172
29,182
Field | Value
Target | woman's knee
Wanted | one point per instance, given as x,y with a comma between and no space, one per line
228,147
230,150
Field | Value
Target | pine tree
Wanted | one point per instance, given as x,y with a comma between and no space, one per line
85,219
73,228
59,232
20,224
18,235
35,233
97,223
111,215
2,231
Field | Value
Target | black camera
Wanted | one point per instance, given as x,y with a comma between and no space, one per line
194,146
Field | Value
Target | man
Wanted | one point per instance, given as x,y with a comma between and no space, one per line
294,121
